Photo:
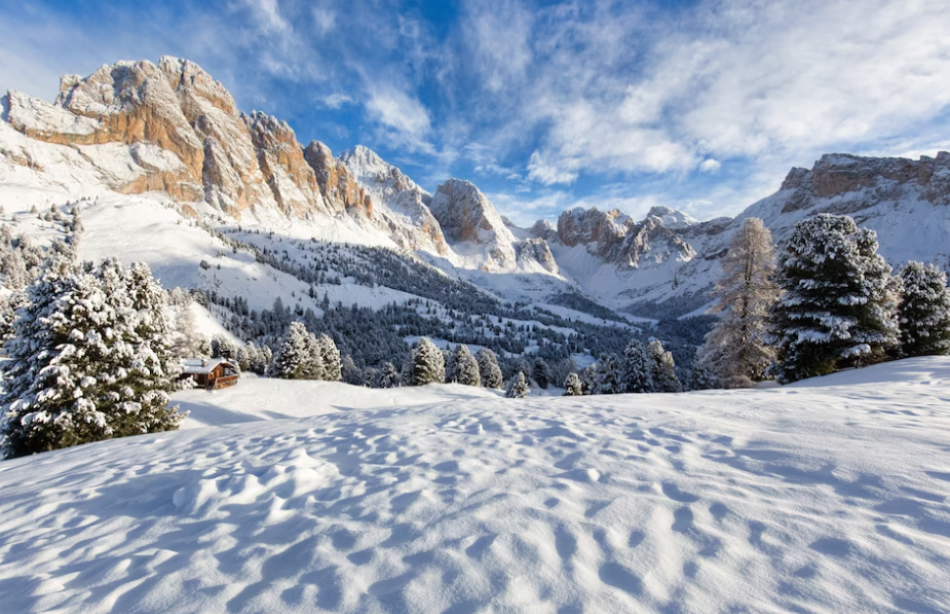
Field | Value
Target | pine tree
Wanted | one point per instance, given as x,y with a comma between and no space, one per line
637,375
351,374
588,377
332,365
924,312
840,302
448,357
662,368
388,376
488,370
90,360
466,367
186,341
428,365
572,386
517,387
541,372
735,350
293,356
223,347
608,378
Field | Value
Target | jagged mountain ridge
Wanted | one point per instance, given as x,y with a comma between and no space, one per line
170,128
187,139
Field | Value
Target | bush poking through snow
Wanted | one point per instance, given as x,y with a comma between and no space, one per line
572,386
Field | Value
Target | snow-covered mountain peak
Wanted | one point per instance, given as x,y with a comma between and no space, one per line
671,218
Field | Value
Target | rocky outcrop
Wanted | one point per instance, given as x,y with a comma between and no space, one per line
187,138
534,252
616,238
337,184
857,182
399,205
467,217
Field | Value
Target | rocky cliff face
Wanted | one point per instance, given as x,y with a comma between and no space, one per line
189,140
472,225
616,238
401,205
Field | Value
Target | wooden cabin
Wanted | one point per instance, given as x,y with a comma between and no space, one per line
211,373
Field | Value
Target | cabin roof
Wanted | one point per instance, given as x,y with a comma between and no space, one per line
201,366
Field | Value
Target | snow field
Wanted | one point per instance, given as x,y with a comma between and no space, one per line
828,496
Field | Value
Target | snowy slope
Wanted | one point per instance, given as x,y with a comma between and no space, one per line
828,496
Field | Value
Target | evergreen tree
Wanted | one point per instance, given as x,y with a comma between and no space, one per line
350,373
186,341
388,376
662,368
840,302
293,358
223,347
488,370
428,365
330,355
90,360
608,378
466,367
924,312
735,350
588,379
448,357
637,374
572,386
541,372
517,387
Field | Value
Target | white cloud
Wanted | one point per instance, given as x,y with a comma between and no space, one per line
268,11
335,101
548,174
741,79
402,115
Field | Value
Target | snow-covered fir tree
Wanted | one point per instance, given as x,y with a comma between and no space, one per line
428,364
187,342
662,368
541,372
588,377
332,365
608,376
735,350
924,311
635,367
448,357
90,360
293,359
572,386
466,367
517,387
388,376
840,303
350,373
223,347
488,370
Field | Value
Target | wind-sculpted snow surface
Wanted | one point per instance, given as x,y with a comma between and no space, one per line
828,496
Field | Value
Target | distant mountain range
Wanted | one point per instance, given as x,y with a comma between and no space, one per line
171,133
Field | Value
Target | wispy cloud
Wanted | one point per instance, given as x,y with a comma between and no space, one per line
702,107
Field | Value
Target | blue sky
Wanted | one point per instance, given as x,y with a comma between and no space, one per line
701,106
